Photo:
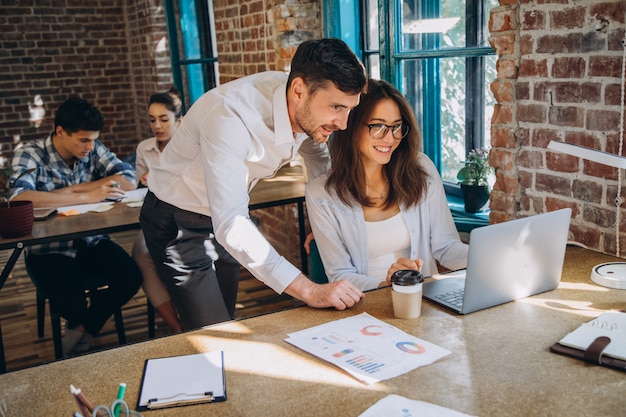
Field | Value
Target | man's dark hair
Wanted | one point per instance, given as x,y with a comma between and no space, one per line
77,114
318,61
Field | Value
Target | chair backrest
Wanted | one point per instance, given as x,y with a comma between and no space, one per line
317,273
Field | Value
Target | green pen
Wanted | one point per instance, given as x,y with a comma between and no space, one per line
120,396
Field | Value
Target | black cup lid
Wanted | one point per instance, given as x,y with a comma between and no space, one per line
406,277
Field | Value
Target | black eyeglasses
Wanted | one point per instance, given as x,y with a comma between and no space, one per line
380,130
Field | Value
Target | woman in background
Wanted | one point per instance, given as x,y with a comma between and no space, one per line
165,113
382,206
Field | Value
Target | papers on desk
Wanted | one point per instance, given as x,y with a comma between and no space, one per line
367,348
397,406
84,208
182,380
133,198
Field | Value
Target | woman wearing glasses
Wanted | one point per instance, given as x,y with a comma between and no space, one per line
381,207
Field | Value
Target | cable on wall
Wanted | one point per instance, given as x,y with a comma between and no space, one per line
618,199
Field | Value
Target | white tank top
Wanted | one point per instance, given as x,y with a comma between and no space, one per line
387,240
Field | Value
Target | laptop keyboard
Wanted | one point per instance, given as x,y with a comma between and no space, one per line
453,297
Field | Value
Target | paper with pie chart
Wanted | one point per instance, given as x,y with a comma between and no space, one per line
367,348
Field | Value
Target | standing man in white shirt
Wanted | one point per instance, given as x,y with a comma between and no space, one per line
196,219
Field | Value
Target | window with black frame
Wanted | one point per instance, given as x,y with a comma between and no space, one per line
436,52
191,33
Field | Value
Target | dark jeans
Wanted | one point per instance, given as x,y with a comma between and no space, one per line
200,275
64,280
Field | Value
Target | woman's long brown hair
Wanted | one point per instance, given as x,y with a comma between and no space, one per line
407,178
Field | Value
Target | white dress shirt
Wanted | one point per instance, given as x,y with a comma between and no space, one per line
231,137
147,155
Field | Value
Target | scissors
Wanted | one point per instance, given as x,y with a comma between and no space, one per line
104,411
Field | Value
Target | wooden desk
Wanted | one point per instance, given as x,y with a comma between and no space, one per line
500,363
287,187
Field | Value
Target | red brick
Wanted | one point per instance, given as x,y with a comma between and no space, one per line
598,216
588,236
502,137
594,169
523,136
585,139
605,66
530,159
527,44
566,116
522,90
573,17
502,19
533,20
589,191
506,68
553,204
552,44
502,90
533,68
610,11
534,113
560,162
526,180
612,94
568,67
503,44
602,120
501,115
501,159
552,184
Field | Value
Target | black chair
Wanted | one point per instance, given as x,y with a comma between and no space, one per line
55,317
317,273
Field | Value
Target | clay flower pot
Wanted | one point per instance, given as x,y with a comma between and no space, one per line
16,219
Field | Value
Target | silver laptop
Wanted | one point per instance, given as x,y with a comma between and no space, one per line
506,261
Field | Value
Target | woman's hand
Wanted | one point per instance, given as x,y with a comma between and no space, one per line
404,263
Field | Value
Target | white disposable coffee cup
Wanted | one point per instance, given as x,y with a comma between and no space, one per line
406,294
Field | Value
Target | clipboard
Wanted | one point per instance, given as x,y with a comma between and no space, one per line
182,380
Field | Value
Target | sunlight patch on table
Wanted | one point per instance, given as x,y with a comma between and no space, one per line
283,362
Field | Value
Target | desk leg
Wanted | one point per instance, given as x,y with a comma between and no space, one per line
303,255
3,278
3,362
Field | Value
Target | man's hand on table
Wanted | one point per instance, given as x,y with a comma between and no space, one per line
339,294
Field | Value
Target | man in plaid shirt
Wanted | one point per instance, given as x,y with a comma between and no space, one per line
72,167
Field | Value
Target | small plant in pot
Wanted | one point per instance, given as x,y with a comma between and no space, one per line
16,218
473,178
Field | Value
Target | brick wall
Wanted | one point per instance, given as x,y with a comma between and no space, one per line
260,35
104,53
559,75
115,53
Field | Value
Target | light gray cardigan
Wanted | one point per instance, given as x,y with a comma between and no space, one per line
342,239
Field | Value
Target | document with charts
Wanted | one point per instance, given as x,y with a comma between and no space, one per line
367,348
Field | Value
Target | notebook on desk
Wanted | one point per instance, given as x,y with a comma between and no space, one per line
506,261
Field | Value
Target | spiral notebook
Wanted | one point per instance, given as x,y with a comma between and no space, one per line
182,380
602,341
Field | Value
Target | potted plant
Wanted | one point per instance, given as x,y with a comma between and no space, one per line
473,180
16,218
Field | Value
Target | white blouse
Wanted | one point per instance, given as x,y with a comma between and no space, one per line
387,240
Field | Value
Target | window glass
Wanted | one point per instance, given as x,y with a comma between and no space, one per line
192,47
436,52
